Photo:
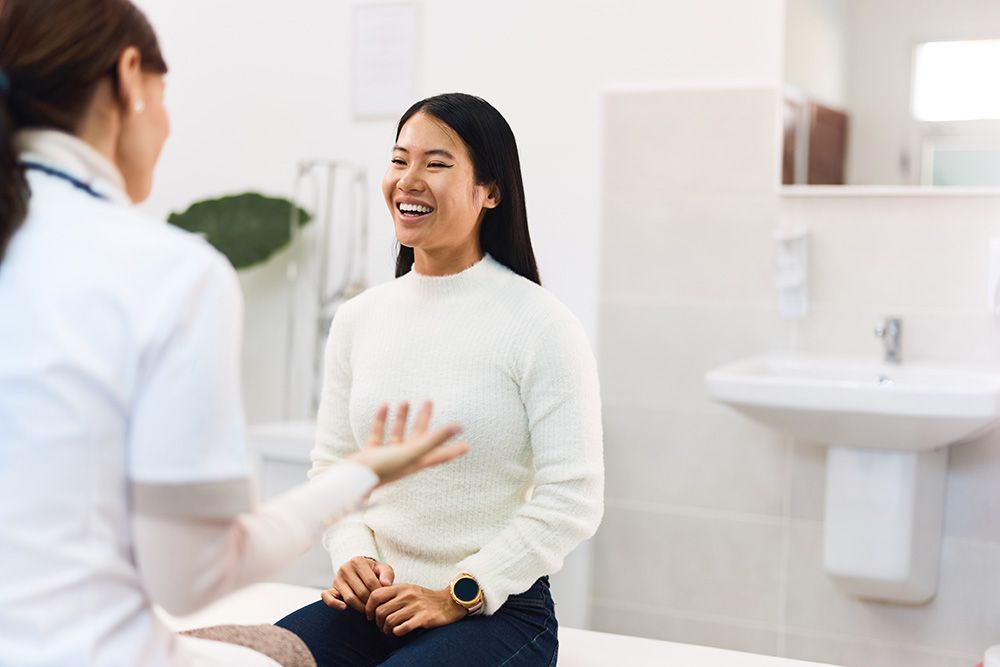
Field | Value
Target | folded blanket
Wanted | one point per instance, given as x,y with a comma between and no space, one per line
279,644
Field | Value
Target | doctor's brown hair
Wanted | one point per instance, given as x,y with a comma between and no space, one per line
53,54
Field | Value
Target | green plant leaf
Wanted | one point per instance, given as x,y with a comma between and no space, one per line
247,228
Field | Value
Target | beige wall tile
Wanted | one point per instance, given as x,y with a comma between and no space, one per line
708,250
690,142
626,620
711,459
972,505
927,337
957,339
693,564
807,481
898,253
653,354
867,654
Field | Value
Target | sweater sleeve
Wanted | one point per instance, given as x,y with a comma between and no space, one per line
560,391
187,560
349,537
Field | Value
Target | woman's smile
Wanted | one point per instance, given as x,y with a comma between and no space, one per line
411,211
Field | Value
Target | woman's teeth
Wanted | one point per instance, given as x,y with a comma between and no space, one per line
414,209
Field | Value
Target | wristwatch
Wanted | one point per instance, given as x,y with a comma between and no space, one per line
466,593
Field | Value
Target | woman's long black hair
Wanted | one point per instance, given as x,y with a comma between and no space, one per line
491,145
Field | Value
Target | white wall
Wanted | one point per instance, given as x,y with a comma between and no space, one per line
816,49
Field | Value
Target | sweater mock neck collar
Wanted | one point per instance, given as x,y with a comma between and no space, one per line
476,275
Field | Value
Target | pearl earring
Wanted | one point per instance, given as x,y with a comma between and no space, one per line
138,106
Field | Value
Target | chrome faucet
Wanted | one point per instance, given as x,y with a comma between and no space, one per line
891,333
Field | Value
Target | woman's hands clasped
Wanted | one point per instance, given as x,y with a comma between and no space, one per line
403,608
366,586
355,581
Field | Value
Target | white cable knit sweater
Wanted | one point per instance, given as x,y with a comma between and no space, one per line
500,355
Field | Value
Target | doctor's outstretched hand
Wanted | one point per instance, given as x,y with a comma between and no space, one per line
407,453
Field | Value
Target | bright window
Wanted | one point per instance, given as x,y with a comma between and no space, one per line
957,80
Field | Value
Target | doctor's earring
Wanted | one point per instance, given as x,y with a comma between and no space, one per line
138,106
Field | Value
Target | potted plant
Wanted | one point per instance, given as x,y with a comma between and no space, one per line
247,228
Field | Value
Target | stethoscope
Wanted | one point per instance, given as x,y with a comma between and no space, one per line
75,182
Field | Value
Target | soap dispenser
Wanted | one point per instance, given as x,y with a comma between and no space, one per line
791,264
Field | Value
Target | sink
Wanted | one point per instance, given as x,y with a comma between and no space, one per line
887,428
914,407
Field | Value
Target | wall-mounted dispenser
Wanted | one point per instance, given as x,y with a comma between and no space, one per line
791,271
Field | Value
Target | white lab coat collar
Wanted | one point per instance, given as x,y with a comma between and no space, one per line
74,156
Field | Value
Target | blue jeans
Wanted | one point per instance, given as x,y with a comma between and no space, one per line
522,633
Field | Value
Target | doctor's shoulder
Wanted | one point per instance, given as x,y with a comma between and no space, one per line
162,239
162,260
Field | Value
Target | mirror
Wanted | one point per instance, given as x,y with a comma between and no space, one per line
892,93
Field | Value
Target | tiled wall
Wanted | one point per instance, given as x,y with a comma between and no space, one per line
713,530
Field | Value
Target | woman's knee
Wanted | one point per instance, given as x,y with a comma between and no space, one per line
316,616
335,637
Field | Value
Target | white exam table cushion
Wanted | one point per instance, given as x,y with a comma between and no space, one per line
266,603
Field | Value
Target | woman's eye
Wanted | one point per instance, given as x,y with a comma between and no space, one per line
437,165
398,161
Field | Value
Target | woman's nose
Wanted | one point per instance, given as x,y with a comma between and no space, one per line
409,182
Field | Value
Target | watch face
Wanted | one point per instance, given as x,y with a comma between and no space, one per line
466,589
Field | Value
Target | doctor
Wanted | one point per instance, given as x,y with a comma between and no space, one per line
122,460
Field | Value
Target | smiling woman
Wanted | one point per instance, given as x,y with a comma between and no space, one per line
457,153
431,169
451,568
